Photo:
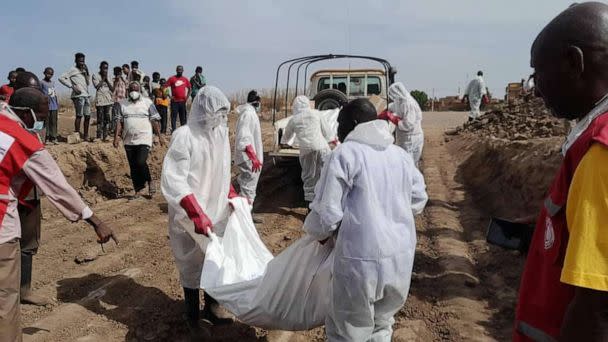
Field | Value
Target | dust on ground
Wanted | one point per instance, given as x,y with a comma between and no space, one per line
462,288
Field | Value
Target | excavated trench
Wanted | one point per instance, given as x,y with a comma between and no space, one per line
101,169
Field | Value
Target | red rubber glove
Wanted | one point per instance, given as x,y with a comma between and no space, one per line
387,115
256,165
232,193
202,223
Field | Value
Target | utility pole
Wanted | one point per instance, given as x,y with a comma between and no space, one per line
433,100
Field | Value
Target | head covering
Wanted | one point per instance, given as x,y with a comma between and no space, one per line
300,104
403,101
209,108
253,96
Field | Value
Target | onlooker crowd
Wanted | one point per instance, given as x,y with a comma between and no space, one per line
172,93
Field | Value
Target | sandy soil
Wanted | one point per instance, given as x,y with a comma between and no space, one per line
462,289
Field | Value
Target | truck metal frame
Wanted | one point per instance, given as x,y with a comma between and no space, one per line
301,65
389,73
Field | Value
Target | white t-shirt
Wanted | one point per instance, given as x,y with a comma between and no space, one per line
135,118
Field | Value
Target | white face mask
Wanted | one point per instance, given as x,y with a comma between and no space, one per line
38,125
257,106
134,95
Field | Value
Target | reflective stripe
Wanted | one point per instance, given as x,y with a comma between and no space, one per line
551,207
6,197
534,333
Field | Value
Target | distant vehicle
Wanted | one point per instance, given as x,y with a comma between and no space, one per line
329,89
514,90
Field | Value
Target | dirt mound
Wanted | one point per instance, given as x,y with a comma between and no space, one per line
509,179
520,120
101,168
512,155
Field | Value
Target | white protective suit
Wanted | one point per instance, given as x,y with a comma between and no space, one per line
312,135
248,132
409,134
367,196
198,162
476,90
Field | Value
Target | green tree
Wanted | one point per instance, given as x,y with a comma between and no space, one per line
421,97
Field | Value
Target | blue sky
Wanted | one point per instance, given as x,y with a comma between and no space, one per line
433,43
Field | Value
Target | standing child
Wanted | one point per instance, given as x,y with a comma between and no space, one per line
119,93
155,84
48,88
197,81
103,100
161,101
7,90
145,87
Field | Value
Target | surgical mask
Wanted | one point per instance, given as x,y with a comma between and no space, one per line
257,106
217,119
38,125
134,95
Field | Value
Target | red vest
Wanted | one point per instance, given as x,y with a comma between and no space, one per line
16,146
543,298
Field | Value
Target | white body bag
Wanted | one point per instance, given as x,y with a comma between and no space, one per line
288,292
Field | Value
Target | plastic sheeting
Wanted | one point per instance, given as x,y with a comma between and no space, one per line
288,292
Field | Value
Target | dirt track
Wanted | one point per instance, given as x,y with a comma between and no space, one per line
462,289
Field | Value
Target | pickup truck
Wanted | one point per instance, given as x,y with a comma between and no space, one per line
328,90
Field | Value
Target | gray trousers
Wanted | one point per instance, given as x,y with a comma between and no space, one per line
312,164
248,180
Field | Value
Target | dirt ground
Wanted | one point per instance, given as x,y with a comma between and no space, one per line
462,288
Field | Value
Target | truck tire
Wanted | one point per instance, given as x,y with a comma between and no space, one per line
329,99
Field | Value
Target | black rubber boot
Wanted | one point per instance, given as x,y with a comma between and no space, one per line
214,313
27,297
192,303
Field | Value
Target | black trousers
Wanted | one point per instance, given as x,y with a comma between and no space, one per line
51,126
162,110
104,119
138,163
30,217
178,108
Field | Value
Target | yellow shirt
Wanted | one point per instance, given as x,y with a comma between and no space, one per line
586,262
159,92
